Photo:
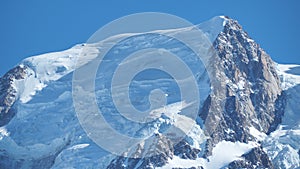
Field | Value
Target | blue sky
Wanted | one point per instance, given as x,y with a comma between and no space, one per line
35,27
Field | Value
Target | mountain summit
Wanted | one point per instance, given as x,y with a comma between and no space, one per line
248,118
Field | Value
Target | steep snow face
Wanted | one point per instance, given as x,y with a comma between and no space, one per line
44,131
45,68
289,75
283,144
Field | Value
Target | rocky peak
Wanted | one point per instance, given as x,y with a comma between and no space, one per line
246,89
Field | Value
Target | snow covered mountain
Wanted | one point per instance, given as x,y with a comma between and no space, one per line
249,116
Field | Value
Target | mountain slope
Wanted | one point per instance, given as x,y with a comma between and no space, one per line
247,87
248,117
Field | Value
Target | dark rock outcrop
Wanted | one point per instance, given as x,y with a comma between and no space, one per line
162,151
185,151
255,159
8,94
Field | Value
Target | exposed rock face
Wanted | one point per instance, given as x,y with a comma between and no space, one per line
185,151
246,89
162,150
256,158
8,94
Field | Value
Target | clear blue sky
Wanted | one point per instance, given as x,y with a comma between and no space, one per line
34,27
